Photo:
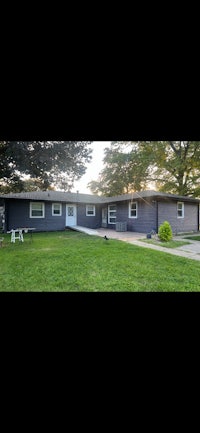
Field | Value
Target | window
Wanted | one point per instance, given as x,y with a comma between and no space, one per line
90,210
37,210
180,209
70,211
112,209
56,209
133,209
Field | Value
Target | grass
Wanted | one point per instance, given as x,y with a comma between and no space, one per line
193,238
75,262
193,233
168,244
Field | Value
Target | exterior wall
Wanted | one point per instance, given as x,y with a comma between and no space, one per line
92,222
147,216
167,211
18,215
145,221
121,214
1,216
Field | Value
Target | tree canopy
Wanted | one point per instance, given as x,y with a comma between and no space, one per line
120,174
172,166
48,163
177,167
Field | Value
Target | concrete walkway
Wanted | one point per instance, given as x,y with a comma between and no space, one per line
191,251
85,230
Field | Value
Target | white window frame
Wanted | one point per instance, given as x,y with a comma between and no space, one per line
56,214
130,209
182,209
87,210
43,209
111,216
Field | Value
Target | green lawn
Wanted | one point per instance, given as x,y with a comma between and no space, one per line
168,244
75,262
193,238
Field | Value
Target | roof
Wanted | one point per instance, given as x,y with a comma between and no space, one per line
150,194
70,197
55,196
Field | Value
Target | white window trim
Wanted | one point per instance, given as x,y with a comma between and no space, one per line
180,202
130,203
43,210
58,214
111,210
94,210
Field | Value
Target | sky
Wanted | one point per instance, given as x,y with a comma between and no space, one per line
93,168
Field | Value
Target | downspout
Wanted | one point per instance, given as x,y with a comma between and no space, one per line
156,216
198,225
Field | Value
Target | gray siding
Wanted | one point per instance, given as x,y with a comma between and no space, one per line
92,222
18,215
168,212
146,216
146,220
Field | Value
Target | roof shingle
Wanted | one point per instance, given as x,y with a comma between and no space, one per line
71,197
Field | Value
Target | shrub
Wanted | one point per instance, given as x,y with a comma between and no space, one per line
165,232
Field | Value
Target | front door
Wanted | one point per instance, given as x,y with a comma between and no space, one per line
104,217
71,218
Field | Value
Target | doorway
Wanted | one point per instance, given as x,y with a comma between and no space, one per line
104,219
71,215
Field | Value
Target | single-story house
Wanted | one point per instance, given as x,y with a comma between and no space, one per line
140,212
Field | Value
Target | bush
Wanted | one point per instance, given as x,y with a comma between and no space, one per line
165,232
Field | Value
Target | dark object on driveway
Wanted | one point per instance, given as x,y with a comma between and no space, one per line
105,237
148,235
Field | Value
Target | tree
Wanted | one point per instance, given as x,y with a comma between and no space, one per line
173,167
9,179
122,173
177,167
51,163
